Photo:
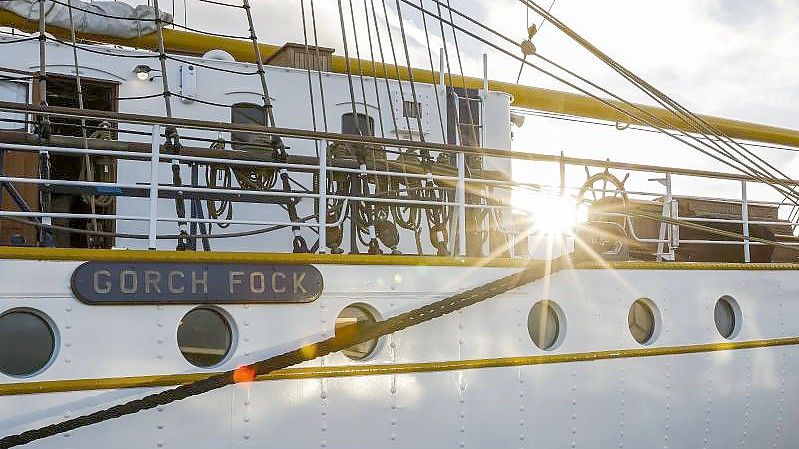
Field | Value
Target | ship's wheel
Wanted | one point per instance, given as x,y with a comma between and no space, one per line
607,194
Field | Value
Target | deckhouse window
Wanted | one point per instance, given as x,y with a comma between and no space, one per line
358,124
247,114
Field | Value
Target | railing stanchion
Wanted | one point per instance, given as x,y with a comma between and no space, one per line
745,219
154,160
322,200
460,195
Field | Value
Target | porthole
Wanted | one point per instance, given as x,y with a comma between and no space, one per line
546,324
727,315
204,337
643,319
27,342
357,314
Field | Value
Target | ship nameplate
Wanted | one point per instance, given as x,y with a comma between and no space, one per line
195,283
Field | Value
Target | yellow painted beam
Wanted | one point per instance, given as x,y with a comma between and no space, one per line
112,255
527,97
111,383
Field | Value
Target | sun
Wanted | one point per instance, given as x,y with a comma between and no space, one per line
551,213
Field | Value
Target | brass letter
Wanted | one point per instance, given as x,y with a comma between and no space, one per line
171,281
123,284
152,277
298,282
232,279
261,285
106,284
275,275
196,281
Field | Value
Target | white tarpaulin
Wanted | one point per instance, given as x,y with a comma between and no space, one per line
108,18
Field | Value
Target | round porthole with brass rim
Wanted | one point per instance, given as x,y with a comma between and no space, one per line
205,337
546,324
355,314
27,342
643,321
727,316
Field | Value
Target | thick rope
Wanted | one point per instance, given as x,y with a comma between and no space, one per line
344,338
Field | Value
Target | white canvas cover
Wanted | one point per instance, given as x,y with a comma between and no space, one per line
125,21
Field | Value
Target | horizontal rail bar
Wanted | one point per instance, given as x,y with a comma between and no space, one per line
399,143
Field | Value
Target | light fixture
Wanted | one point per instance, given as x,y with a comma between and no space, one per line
142,72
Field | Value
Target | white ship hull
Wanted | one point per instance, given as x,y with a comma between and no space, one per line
470,379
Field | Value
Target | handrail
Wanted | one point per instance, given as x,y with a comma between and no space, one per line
379,141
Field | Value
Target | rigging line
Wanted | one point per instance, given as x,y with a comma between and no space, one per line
220,3
744,168
708,145
591,83
180,205
356,119
650,90
417,105
17,41
99,52
374,71
396,69
209,33
79,87
308,68
540,25
319,66
569,118
140,97
162,60
360,62
205,66
574,86
45,236
385,69
260,64
209,103
432,72
463,79
444,43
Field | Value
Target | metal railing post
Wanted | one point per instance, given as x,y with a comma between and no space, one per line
322,201
745,219
666,232
460,194
154,160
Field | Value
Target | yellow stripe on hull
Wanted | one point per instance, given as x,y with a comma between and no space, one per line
110,255
59,386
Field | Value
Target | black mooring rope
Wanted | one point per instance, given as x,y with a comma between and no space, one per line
344,338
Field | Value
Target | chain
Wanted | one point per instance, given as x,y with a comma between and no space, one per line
345,337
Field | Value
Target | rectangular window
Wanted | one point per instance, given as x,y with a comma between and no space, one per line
13,92
246,114
463,116
363,126
411,109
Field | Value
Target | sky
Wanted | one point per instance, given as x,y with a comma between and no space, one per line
732,58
